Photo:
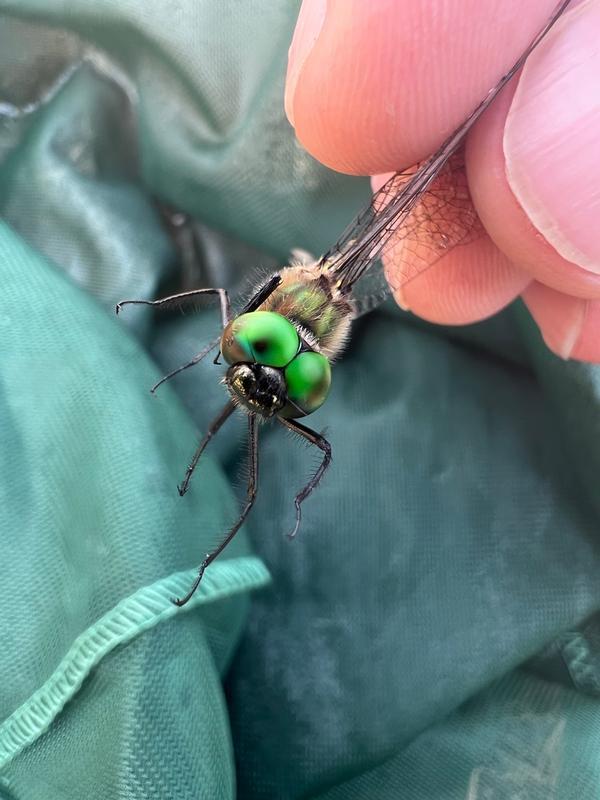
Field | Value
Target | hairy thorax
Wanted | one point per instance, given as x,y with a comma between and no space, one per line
307,297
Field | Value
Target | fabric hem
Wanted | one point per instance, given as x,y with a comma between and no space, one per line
131,616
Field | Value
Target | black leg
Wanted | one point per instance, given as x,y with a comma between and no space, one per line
191,363
320,442
250,497
262,294
214,426
175,298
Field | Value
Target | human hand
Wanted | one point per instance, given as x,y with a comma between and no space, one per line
373,88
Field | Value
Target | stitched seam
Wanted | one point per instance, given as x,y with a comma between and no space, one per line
131,616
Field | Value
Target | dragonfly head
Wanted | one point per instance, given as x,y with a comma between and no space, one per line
272,371
258,388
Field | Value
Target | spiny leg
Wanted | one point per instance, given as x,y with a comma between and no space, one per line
250,497
191,363
174,298
265,291
214,426
319,441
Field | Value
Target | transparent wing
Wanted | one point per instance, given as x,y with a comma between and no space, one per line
418,215
436,221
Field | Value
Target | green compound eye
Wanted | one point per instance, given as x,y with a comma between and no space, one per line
308,379
261,336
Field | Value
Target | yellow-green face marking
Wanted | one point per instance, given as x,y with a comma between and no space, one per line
307,379
264,337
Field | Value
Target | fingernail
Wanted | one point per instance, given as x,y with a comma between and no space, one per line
559,317
309,24
563,332
552,134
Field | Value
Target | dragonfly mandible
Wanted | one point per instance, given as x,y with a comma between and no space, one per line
280,344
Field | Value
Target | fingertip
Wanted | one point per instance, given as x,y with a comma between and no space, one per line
570,326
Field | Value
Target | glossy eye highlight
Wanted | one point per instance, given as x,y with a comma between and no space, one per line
264,337
308,378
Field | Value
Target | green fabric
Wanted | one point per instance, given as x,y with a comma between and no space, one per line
433,631
127,619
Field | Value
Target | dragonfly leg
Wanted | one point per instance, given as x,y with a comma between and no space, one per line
262,294
319,441
182,296
191,363
214,426
250,497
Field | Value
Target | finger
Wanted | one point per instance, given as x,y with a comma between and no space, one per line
570,325
533,163
375,87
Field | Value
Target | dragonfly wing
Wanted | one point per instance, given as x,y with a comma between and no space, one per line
443,218
411,235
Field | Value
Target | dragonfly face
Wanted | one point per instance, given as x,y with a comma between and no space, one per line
260,389
273,370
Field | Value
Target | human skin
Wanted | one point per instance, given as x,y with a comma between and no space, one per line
375,87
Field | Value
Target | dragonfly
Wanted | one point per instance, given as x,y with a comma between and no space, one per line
280,344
